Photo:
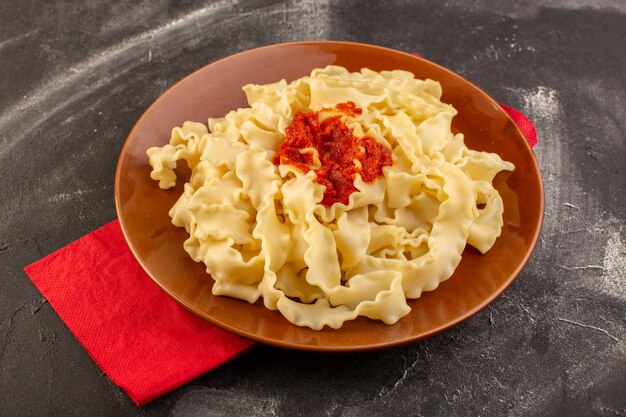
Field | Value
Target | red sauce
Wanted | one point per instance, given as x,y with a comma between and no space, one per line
337,148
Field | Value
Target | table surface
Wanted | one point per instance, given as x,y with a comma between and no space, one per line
75,76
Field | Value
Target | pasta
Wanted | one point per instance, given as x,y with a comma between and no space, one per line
265,226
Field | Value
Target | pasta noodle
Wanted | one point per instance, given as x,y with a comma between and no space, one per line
258,222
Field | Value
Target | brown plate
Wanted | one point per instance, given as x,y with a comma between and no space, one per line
214,90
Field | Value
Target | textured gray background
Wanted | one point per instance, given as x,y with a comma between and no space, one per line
74,77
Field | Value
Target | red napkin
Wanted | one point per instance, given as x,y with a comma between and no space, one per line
141,338
525,125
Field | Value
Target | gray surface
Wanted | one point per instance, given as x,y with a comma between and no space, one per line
74,77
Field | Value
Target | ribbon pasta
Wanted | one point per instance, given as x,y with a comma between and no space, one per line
262,232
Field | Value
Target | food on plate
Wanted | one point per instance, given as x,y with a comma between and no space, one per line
334,196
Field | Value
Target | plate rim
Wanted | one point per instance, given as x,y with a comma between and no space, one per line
325,348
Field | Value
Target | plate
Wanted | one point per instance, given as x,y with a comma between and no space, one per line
212,91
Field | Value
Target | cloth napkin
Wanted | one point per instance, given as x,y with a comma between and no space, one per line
141,338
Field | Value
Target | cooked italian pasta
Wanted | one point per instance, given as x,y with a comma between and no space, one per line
259,225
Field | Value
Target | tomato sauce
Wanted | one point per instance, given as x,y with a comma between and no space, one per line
337,149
